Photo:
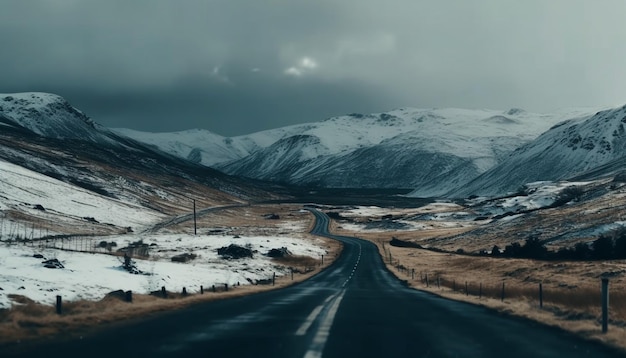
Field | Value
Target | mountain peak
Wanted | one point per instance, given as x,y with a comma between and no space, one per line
46,114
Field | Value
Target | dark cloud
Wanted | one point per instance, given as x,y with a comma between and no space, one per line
235,66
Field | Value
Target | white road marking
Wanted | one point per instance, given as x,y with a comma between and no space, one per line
309,320
317,347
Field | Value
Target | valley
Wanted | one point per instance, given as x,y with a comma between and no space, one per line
119,215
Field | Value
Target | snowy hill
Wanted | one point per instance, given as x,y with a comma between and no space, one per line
67,185
71,175
433,150
51,116
586,147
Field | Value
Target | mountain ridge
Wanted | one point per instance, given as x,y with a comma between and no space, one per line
340,151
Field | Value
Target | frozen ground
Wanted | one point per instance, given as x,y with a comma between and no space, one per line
93,275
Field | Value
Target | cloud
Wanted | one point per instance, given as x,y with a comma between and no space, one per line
305,65
533,54
293,71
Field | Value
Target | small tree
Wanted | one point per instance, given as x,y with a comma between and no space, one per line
603,248
619,250
513,250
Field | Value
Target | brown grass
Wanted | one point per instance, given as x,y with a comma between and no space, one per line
571,290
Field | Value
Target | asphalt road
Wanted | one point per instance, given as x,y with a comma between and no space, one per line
355,308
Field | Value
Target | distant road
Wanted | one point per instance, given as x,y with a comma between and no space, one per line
171,221
355,308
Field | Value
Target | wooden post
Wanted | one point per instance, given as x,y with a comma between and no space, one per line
605,304
163,292
502,296
427,283
213,288
453,285
540,295
466,289
390,257
291,274
480,291
201,290
226,287
438,283
322,260
274,279
128,296
59,305
412,274
184,291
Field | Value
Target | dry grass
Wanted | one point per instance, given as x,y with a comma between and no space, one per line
571,290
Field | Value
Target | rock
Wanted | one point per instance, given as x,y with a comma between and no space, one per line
282,252
39,207
38,256
234,252
119,294
184,257
53,264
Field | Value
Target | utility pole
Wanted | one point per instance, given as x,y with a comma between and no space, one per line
195,228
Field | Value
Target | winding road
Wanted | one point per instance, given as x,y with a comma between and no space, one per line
354,308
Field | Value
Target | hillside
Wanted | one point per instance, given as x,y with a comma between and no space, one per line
69,175
587,147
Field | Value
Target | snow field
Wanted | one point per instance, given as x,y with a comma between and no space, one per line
91,276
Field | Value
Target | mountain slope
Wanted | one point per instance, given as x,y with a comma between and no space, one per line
51,116
121,177
429,149
592,144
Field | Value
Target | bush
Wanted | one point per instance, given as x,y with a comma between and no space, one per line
571,193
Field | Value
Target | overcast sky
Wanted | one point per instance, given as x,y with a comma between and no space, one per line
239,66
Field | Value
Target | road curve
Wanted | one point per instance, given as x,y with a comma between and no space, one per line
354,308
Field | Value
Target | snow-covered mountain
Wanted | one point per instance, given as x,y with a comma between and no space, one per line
433,150
71,175
586,147
51,116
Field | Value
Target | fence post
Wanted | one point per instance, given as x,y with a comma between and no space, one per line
322,260
292,274
502,296
59,304
540,295
274,279
390,257
129,296
184,291
453,285
480,291
605,304
466,290
225,287
412,274
427,283
201,290
163,292
213,288
438,283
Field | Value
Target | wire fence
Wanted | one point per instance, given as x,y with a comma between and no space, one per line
578,302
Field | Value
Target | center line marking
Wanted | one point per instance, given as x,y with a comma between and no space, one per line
309,320
317,347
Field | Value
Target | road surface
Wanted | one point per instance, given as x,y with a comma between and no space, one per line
355,308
